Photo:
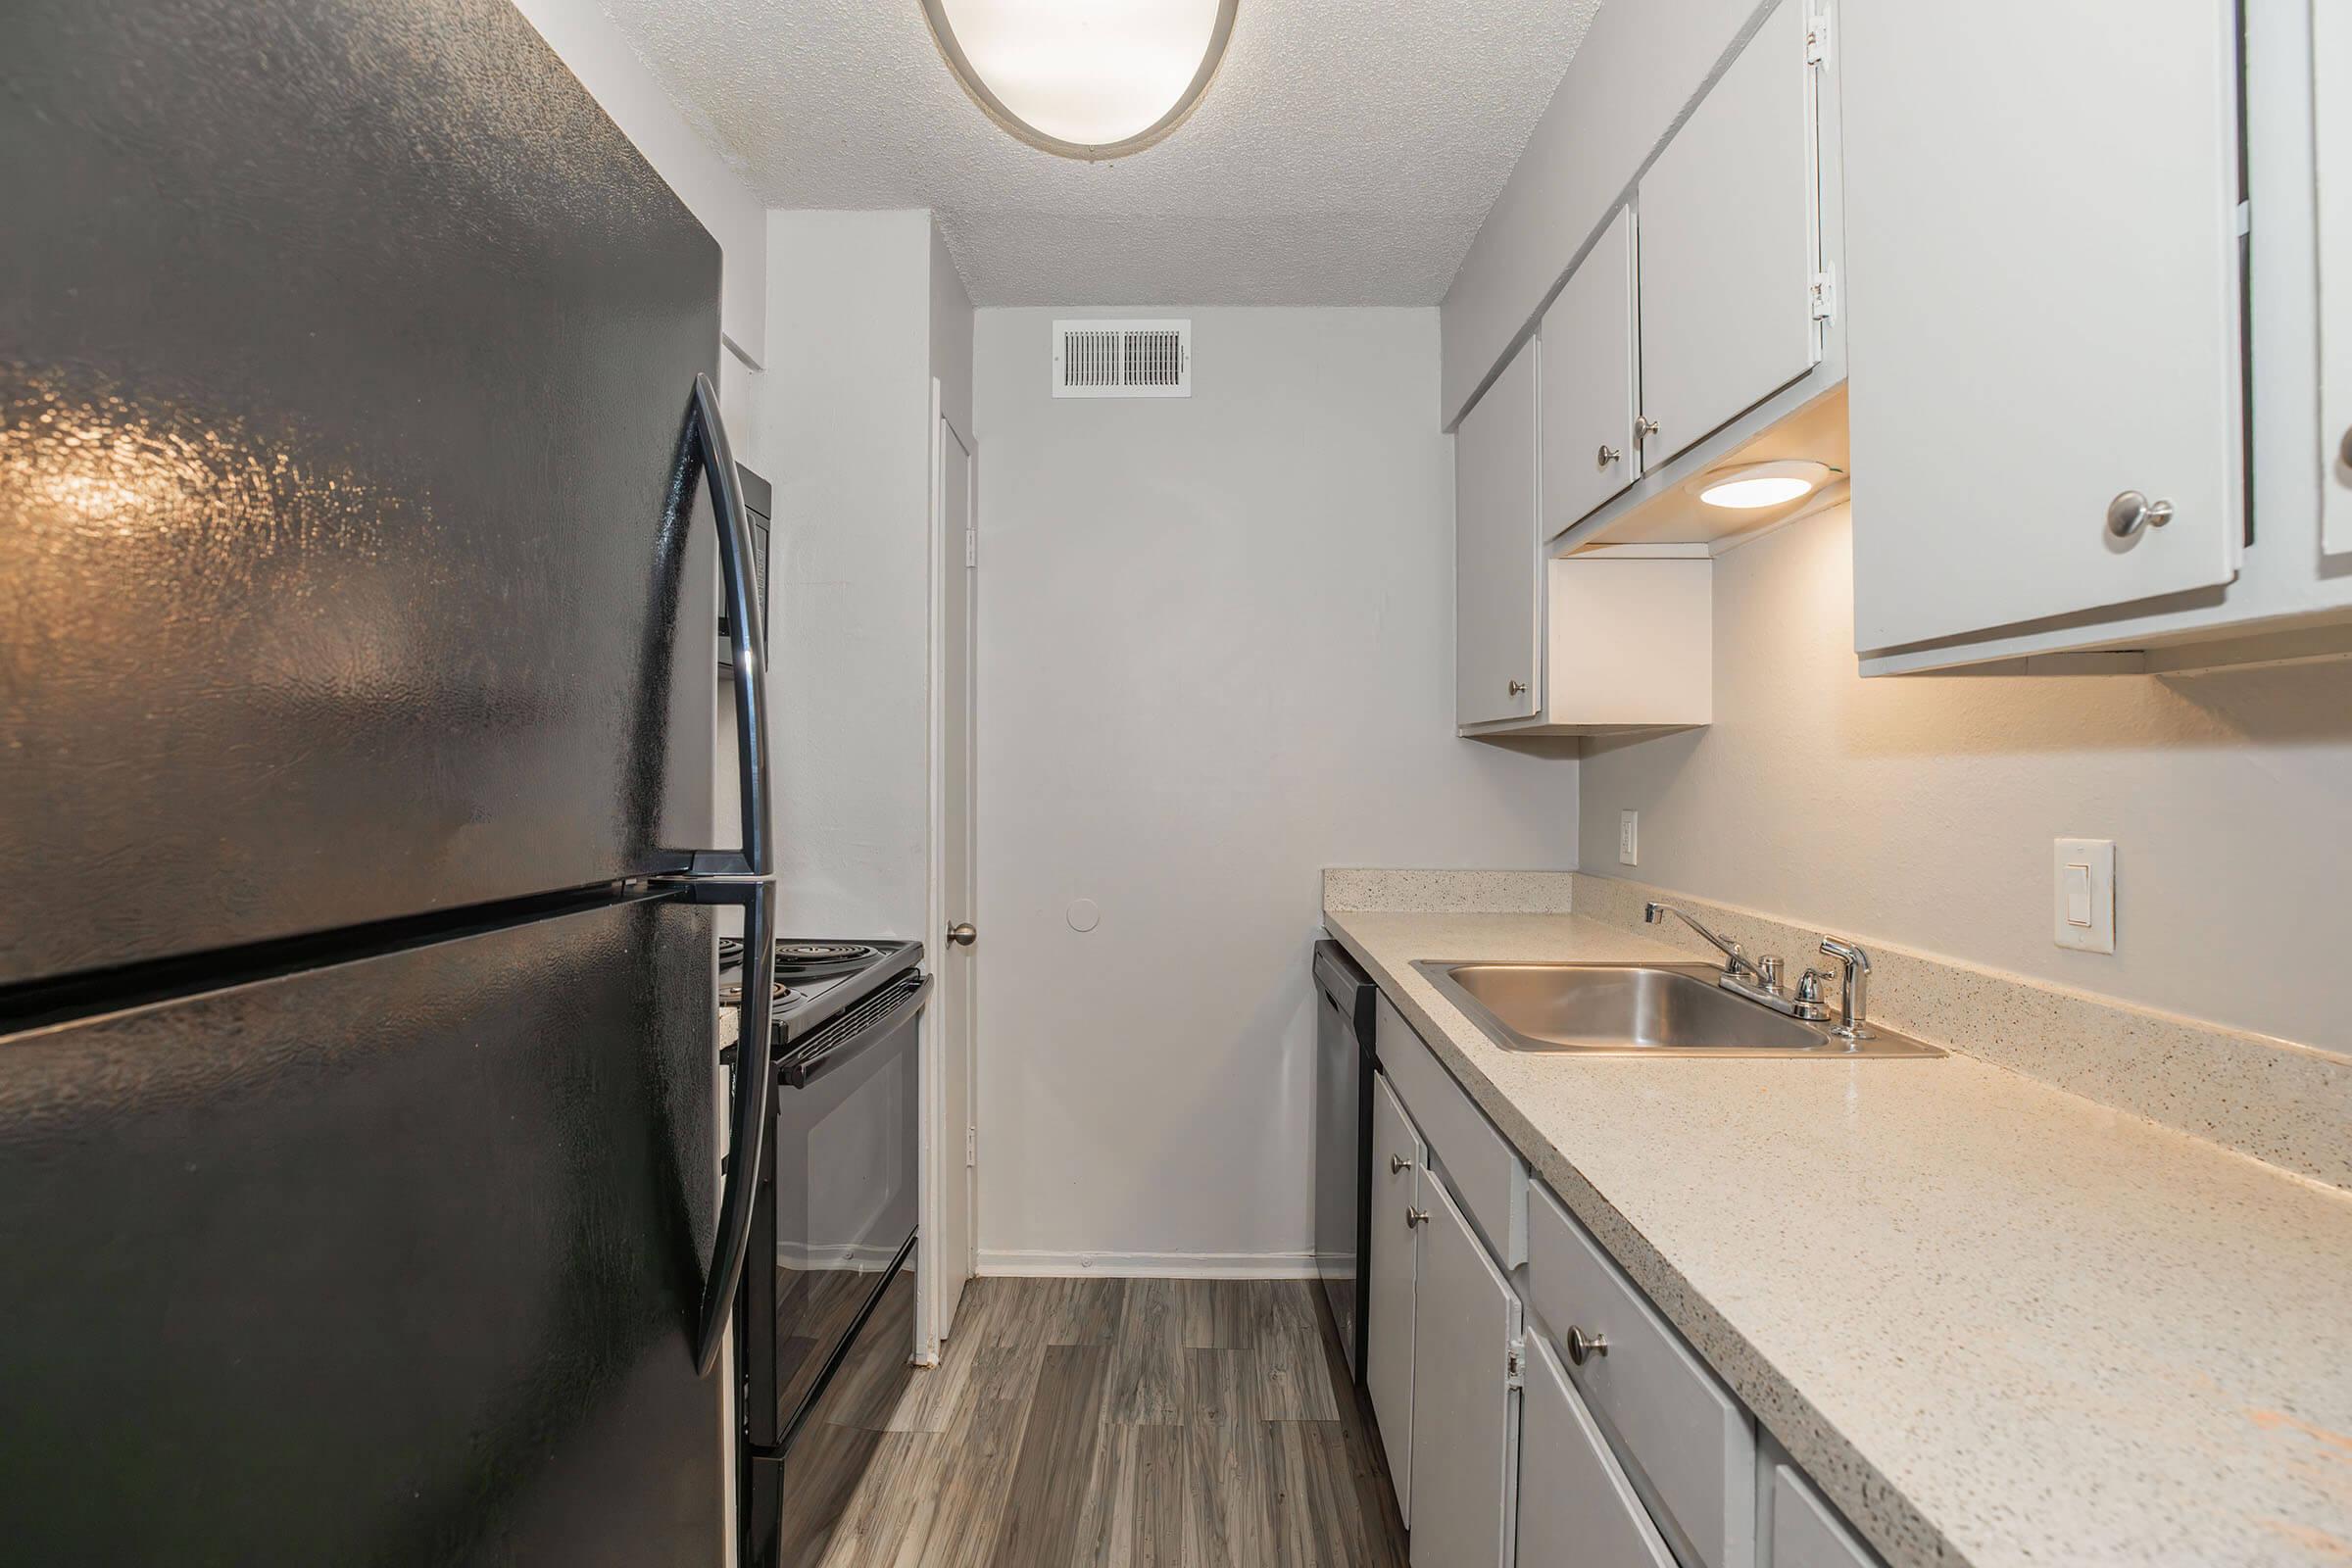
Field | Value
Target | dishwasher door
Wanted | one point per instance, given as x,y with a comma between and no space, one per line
1343,1132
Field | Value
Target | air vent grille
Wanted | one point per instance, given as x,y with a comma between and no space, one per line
1122,359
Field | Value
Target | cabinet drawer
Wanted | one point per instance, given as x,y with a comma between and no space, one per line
1483,1170
1688,1442
1575,1503
1805,1533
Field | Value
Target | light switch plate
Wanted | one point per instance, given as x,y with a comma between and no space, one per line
2082,894
1629,838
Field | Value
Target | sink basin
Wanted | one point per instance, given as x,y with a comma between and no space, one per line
1637,1009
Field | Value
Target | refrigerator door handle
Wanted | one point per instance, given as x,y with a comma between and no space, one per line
746,877
747,636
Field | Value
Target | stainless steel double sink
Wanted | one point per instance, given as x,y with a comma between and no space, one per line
1638,1009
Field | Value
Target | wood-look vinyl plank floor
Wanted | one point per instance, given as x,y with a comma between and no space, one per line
1109,1423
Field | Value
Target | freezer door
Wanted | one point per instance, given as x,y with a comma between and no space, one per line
395,1261
345,351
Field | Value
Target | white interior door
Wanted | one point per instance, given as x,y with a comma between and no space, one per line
2040,230
948,1246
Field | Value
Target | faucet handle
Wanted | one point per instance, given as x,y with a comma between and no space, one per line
1808,985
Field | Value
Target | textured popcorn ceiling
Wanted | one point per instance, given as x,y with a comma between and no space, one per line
1346,154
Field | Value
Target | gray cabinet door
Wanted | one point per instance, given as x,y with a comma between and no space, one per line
1465,1412
1575,1506
1397,1161
1727,243
1495,581
1589,452
2045,308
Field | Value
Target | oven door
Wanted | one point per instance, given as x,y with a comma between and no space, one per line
848,1144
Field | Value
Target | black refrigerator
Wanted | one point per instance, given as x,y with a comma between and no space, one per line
362,495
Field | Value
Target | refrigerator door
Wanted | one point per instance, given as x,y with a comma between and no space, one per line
345,351
394,1261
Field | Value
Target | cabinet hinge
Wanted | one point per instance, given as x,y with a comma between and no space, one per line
971,1145
1825,295
1817,39
971,547
1514,1364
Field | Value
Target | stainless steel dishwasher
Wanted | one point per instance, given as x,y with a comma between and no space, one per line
1343,1132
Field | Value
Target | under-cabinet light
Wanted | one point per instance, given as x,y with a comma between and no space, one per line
1752,486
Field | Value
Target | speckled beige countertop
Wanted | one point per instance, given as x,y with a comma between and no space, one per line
1997,1323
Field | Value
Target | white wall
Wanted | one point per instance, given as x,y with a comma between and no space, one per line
1920,809
592,47
857,314
1215,655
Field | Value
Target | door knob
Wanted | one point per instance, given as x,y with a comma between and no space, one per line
963,934
2131,512
1581,1347
1398,1164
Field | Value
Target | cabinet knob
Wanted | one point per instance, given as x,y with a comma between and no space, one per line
963,934
1518,687
2344,452
1416,1216
1608,455
2129,513
1581,1349
1643,428
1397,1164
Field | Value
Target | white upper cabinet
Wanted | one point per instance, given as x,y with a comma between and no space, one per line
2045,317
2332,99
1497,616
1589,397
1730,241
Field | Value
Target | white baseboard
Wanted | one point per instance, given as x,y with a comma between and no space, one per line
1152,1265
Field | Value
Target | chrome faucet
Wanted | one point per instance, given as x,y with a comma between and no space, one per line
1734,957
1853,1011
1756,979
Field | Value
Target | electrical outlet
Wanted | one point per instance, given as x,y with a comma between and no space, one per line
1629,838
2083,895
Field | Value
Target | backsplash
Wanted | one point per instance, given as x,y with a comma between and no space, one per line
1923,808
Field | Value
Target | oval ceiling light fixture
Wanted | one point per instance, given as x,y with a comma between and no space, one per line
1753,486
1085,78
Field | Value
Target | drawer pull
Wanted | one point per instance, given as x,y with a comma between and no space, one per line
1416,1216
1398,1164
1579,1347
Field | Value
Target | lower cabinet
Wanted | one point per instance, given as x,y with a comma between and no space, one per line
1503,1455
1465,1441
1397,1158
1575,1502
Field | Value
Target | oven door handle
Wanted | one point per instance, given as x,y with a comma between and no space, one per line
828,1051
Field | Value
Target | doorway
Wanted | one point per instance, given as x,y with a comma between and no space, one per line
948,1219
